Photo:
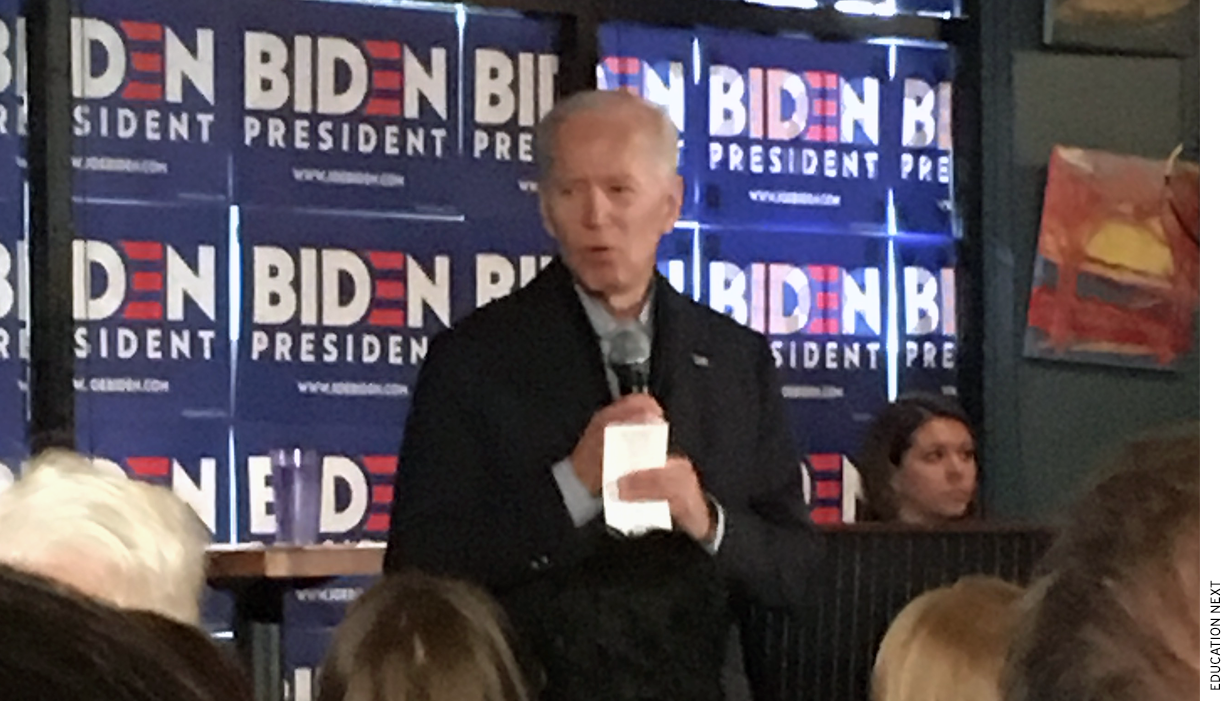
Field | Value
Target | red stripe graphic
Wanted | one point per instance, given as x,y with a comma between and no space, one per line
380,464
623,65
828,489
828,300
142,250
380,107
825,462
146,92
146,62
142,31
387,260
150,466
826,514
382,494
388,50
387,317
390,289
147,282
377,523
143,311
824,273
386,80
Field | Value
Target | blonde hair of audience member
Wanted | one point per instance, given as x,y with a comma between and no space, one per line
132,544
1115,614
413,637
948,644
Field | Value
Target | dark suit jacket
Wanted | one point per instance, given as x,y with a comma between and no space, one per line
508,392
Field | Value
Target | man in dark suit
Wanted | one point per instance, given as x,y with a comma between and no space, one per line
500,474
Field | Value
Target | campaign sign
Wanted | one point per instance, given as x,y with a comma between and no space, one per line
191,458
338,310
658,65
147,105
348,106
928,325
796,133
676,256
358,466
311,614
511,71
821,300
217,611
14,334
150,301
13,126
922,168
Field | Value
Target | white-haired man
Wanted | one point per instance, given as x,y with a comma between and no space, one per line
132,544
500,473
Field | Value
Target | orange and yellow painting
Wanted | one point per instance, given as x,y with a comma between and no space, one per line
1117,274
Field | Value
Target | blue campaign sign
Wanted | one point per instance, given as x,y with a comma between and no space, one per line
676,260
929,315
12,93
358,465
338,310
796,132
150,102
150,300
821,300
348,106
14,338
191,458
922,168
310,615
512,65
659,65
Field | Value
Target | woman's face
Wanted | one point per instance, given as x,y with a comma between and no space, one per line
936,479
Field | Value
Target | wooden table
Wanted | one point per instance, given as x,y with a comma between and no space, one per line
260,575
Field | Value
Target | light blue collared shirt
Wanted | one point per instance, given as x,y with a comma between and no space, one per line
583,506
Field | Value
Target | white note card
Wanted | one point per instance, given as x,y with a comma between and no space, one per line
629,448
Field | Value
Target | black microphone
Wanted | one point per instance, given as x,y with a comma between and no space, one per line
629,359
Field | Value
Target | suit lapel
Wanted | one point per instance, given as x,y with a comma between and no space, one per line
567,354
674,378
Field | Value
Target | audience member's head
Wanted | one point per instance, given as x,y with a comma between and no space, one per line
412,637
133,544
918,463
642,619
1115,612
948,644
61,646
196,656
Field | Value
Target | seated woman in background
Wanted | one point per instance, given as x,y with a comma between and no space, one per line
413,637
918,464
949,644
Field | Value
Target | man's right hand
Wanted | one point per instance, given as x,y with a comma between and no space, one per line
587,455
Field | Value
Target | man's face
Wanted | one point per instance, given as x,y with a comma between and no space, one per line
608,200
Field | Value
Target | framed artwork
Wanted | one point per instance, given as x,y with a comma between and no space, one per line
1147,27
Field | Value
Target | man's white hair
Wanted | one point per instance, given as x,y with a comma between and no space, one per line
133,544
663,136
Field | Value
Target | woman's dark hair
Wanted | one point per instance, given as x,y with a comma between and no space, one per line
61,646
196,655
888,439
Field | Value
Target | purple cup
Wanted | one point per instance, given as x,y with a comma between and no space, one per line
296,495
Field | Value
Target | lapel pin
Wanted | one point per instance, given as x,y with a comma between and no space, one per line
700,361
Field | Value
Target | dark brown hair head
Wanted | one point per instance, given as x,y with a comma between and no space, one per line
1115,612
888,439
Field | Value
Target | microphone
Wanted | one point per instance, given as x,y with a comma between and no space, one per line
629,359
